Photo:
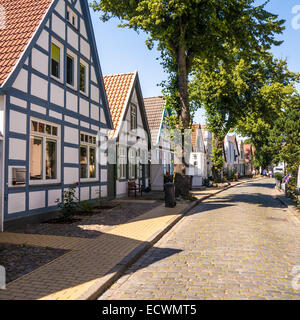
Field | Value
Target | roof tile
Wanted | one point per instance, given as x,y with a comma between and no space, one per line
117,89
22,18
154,109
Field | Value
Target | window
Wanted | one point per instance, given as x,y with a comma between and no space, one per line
164,162
122,162
133,123
139,165
70,70
43,151
132,164
82,78
55,60
158,155
72,18
88,146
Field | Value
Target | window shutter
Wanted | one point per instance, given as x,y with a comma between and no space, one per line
55,52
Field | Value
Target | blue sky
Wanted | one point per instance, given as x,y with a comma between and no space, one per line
122,50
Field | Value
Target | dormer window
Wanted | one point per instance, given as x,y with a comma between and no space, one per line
72,18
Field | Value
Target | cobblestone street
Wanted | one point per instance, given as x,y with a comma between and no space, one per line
239,244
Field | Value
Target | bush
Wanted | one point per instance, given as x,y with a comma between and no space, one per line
229,174
69,204
86,206
278,176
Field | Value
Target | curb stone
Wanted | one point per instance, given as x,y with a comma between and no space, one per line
116,272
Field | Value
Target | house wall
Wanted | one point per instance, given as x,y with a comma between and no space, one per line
162,156
35,94
128,138
2,152
229,150
207,138
198,162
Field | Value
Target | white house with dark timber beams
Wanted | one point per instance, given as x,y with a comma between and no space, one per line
54,115
162,159
198,157
130,138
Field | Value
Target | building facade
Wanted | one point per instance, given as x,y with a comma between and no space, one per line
198,157
130,139
54,112
162,147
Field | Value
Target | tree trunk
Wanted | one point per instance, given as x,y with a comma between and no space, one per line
217,159
182,182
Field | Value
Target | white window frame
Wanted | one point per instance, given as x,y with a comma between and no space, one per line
71,15
158,155
61,62
133,115
75,82
45,136
86,92
90,145
122,161
139,164
131,164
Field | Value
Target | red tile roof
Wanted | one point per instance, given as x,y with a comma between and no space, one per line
154,109
195,128
118,88
22,17
248,151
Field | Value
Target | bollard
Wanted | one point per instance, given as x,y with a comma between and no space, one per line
169,195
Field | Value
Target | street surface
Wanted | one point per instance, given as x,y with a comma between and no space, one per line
239,244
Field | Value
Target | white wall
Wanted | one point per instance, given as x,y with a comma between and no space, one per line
131,139
40,88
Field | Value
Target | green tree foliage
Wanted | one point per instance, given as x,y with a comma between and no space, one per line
243,93
188,29
284,139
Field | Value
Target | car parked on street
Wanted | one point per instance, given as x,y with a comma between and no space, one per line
278,169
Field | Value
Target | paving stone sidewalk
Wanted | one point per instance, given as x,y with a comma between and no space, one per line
92,264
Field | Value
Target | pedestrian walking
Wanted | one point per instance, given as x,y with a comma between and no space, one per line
270,174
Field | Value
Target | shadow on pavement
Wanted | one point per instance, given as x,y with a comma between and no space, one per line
79,268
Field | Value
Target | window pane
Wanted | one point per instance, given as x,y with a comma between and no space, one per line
36,158
133,117
54,131
34,125
41,127
70,70
83,162
82,137
51,159
55,52
82,78
55,60
92,163
48,129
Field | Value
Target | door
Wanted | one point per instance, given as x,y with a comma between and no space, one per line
111,180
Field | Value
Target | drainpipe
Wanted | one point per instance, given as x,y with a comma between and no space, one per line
2,160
